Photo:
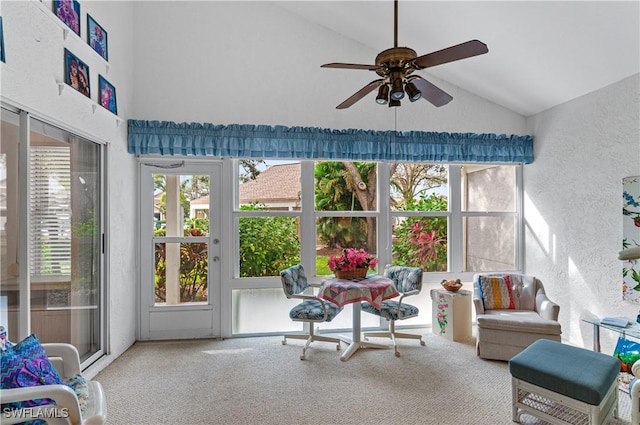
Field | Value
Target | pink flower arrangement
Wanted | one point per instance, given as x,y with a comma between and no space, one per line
352,259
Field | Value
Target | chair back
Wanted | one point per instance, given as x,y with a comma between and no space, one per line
405,278
524,288
294,280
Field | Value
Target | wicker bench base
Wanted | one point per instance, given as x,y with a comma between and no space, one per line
559,409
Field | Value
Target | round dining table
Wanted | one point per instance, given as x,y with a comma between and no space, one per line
373,289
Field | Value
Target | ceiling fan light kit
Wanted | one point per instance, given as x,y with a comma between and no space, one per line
383,95
412,91
397,91
395,66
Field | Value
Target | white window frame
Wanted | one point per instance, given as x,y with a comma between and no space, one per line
308,215
383,214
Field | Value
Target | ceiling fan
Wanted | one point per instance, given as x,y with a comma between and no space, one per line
396,65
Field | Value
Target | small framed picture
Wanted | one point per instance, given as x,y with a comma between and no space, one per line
97,37
76,73
107,95
2,42
68,11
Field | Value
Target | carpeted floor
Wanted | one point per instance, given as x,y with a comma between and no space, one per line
260,381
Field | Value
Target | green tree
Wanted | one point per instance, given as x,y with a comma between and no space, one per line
411,180
249,169
267,244
346,186
159,185
195,187
193,268
422,241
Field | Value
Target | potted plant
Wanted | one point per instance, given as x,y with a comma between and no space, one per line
352,264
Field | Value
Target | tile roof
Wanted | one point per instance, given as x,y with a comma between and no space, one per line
278,183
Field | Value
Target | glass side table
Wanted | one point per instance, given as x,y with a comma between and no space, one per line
632,330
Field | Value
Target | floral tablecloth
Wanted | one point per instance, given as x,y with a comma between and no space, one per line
373,289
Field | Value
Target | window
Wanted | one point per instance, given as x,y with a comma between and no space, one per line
346,209
490,217
267,212
419,208
181,223
452,220
267,217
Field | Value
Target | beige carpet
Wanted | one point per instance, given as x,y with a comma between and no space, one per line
261,381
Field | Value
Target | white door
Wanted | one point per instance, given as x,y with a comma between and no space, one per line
180,250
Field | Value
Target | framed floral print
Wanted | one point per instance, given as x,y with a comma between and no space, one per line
68,11
97,37
76,73
107,95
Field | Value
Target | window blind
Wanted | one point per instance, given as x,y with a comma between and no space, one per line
50,211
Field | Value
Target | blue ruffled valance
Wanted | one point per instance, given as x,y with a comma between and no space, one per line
263,141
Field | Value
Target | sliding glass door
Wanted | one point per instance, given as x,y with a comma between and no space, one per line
52,241
65,248
11,297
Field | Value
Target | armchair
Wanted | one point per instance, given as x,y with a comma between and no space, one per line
512,311
408,280
85,406
311,310
634,393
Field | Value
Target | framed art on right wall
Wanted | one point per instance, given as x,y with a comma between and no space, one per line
2,42
630,238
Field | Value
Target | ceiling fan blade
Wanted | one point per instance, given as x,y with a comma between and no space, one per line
350,66
450,54
360,94
431,93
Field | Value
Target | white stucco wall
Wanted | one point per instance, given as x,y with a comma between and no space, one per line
34,48
573,204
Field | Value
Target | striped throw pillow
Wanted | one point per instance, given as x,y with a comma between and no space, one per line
496,292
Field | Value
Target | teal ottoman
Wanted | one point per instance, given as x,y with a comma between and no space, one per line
562,384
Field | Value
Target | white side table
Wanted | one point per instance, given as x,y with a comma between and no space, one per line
451,314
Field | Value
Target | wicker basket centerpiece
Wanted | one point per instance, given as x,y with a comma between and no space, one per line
451,285
351,274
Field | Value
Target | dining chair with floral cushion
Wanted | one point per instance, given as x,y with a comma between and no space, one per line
311,310
408,281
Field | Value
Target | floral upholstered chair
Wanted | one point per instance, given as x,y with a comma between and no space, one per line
44,382
512,311
408,281
311,309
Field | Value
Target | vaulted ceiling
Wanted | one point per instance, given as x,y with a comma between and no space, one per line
541,54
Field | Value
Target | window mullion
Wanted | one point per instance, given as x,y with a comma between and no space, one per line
519,243
308,218
384,216
455,231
